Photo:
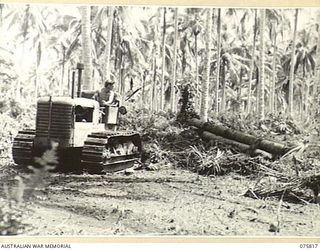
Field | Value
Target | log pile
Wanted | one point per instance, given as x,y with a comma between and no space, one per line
289,184
243,142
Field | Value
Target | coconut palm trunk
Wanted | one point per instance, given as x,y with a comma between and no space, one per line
291,76
196,31
306,100
274,72
221,132
163,59
251,69
121,83
206,81
156,53
143,95
108,43
276,102
239,94
174,66
86,46
62,68
223,86
261,86
197,70
154,81
216,106
36,88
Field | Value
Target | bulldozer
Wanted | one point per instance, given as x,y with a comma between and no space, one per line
80,128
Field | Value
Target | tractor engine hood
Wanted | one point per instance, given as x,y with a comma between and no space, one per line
83,102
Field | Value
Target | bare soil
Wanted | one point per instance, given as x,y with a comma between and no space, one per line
167,201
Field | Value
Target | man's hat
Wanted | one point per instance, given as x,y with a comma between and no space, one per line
109,81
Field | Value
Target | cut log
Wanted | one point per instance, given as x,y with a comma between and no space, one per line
207,136
274,148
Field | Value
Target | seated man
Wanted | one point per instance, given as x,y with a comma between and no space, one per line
106,96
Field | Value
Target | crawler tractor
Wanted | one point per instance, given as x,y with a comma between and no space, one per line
84,140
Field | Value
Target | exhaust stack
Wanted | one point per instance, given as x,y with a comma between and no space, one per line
80,67
72,84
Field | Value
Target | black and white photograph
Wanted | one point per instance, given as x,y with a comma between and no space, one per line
162,121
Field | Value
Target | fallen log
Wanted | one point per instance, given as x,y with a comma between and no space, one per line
253,142
207,136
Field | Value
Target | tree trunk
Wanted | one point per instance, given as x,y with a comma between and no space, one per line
206,78
36,87
300,104
251,69
183,52
274,71
163,59
62,68
207,136
86,46
108,43
68,80
276,102
223,87
198,92
216,92
306,101
143,103
260,100
274,148
239,94
174,71
257,89
121,83
293,52
156,54
19,80
154,80
37,77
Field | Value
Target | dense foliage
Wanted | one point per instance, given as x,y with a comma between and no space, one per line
136,45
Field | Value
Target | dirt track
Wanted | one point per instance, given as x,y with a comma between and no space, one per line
162,202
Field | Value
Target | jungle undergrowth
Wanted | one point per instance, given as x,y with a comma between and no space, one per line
21,191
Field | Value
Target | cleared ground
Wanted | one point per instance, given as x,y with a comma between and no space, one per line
167,201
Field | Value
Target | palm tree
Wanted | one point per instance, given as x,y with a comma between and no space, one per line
86,46
132,47
274,18
163,58
108,42
206,81
305,60
261,66
291,77
196,29
174,70
274,58
156,52
218,62
251,69
143,95
32,24
304,67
